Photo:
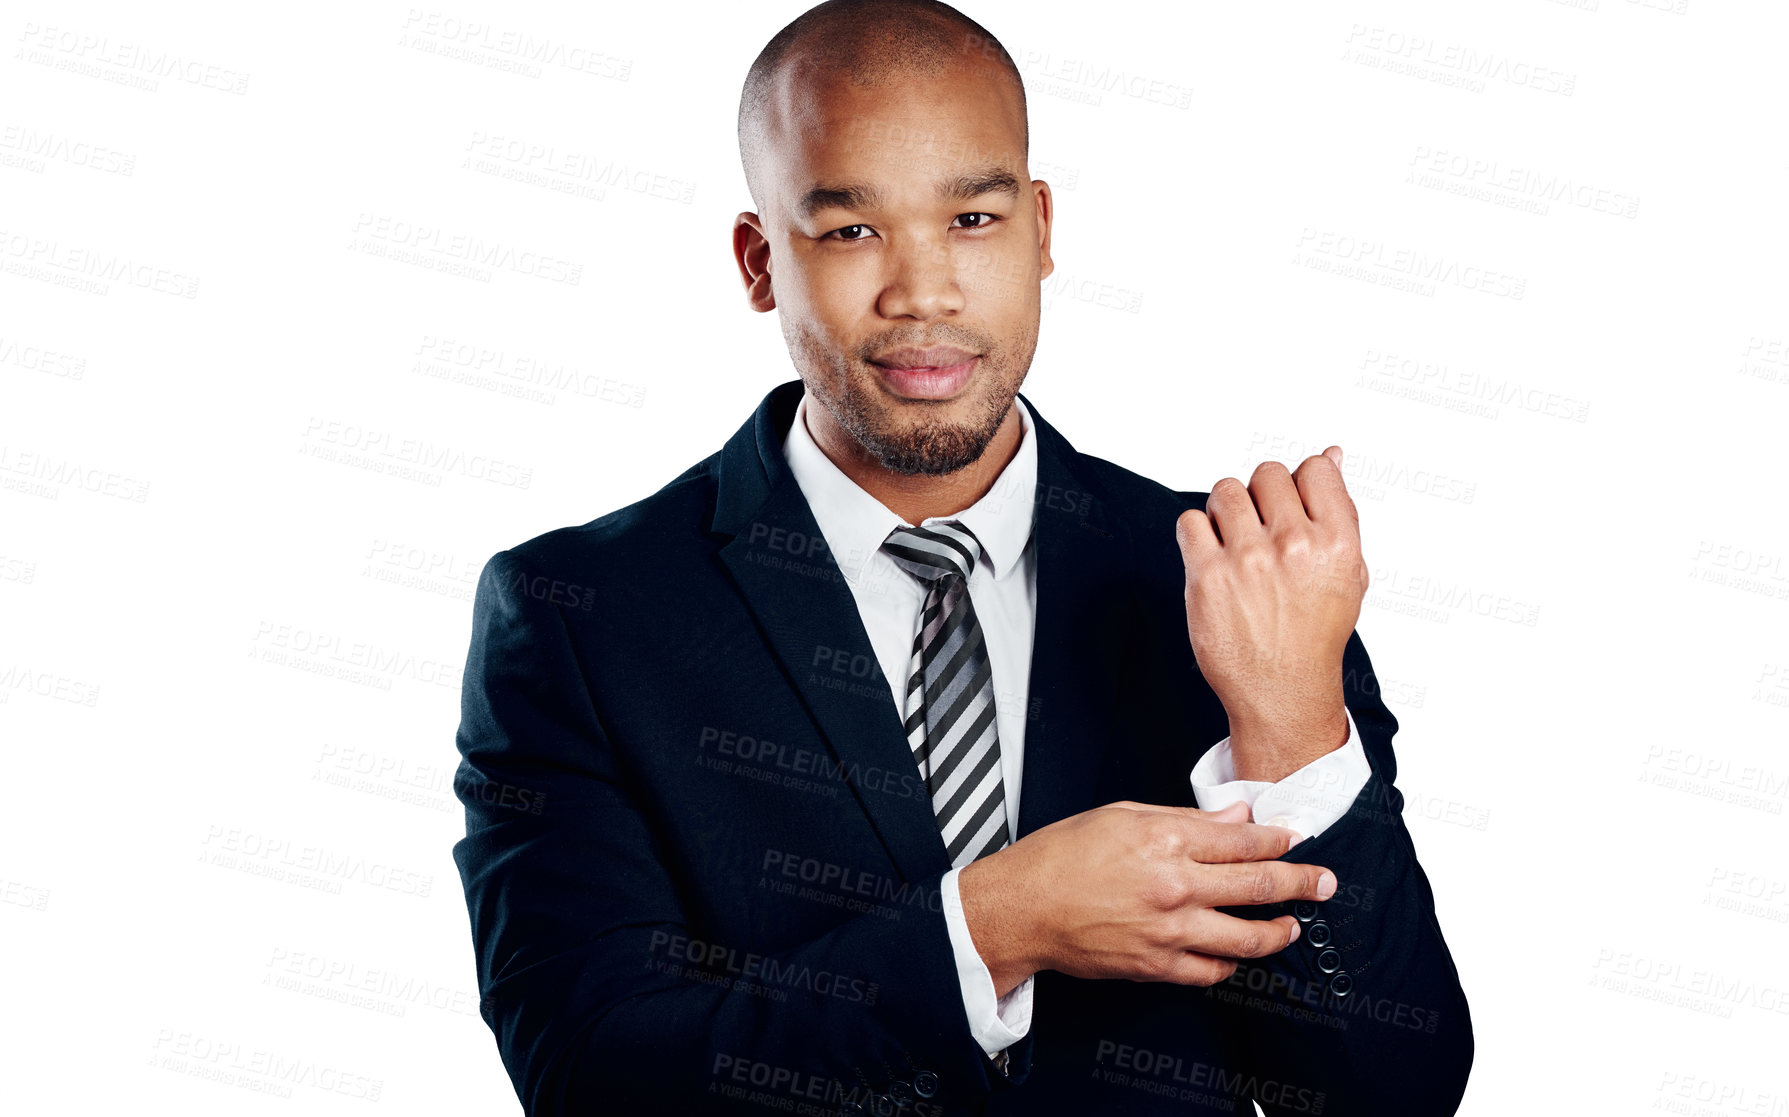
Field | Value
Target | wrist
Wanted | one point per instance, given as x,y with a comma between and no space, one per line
1269,750
997,910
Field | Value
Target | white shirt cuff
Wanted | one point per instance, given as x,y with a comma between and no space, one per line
1306,801
995,1024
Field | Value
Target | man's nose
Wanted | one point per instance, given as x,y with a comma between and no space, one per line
922,282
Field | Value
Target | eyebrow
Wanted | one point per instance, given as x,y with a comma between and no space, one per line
970,184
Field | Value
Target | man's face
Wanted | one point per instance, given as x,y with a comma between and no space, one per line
905,246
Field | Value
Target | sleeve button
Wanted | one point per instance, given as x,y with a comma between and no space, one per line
1318,935
1305,910
1340,985
925,1084
901,1093
1329,961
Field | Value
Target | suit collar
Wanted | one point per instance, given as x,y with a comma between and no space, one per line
856,524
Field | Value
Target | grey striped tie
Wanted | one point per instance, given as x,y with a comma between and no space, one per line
950,692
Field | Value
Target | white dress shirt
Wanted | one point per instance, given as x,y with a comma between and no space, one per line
1003,588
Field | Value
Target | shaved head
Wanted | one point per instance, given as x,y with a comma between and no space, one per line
864,43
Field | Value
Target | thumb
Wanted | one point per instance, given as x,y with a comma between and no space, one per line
1334,454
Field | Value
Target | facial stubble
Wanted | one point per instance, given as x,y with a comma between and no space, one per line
910,437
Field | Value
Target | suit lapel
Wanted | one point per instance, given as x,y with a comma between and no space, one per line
1082,601
807,612
801,600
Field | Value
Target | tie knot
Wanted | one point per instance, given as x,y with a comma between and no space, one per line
934,551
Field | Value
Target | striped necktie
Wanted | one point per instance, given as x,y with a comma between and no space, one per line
950,692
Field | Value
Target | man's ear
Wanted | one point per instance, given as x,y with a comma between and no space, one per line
1046,213
751,251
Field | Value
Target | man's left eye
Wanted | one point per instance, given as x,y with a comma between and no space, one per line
984,220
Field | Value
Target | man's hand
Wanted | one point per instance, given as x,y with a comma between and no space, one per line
1127,891
1274,584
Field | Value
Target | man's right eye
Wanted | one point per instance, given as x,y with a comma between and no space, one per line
850,233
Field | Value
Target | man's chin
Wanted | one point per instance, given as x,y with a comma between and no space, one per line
929,447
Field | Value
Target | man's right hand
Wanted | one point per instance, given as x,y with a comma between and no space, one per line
1127,891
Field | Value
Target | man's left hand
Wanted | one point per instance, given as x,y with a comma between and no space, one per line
1274,584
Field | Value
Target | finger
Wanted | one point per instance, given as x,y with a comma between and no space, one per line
1228,936
1235,842
1229,812
1232,511
1324,492
1260,882
1197,538
1276,497
1194,968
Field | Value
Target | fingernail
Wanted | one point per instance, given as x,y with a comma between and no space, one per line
1326,885
1296,838
1294,937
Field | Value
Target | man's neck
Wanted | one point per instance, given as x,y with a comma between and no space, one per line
917,496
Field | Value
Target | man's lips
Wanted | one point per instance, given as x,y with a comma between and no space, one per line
936,358
927,381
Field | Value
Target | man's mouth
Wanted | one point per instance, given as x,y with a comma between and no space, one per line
935,372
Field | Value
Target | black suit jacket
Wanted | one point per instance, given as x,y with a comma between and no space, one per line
703,875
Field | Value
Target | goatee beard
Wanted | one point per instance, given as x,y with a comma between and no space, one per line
931,447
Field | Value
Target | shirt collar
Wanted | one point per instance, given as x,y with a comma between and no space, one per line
856,524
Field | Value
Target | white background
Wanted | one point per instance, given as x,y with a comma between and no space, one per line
1571,499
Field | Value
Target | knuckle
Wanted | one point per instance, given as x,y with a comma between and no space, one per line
1257,560
1155,895
1214,971
1157,965
1161,841
1166,889
1261,887
1270,467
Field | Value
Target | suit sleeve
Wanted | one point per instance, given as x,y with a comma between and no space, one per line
602,995
1364,1014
